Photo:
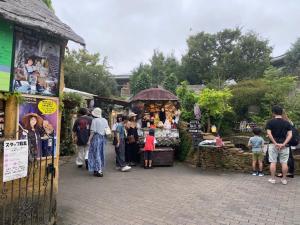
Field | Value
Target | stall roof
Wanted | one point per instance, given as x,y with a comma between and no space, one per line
35,14
154,94
85,95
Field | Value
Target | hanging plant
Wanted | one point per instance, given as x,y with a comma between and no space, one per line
72,100
5,96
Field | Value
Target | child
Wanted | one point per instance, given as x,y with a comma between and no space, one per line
149,148
257,143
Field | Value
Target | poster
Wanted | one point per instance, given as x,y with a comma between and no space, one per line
15,161
6,45
38,123
36,66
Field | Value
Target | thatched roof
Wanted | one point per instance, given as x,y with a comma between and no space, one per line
35,14
154,94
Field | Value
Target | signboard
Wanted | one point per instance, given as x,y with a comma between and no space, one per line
15,160
39,116
195,130
6,45
36,66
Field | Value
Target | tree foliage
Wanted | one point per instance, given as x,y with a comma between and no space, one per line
224,55
187,100
49,4
214,104
160,70
86,72
292,59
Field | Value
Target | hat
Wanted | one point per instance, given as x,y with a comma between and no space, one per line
97,112
132,114
26,120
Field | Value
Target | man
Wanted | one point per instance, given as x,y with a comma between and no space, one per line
81,133
120,146
280,133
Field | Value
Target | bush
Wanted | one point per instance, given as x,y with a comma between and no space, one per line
185,144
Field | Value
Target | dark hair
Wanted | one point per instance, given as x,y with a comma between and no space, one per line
119,116
151,132
124,118
83,111
277,110
256,130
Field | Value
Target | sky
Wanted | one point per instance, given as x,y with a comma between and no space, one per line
128,31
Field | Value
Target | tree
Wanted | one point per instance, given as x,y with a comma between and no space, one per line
224,55
214,104
292,59
49,4
160,69
187,100
86,72
170,83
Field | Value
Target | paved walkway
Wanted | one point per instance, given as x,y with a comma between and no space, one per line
173,195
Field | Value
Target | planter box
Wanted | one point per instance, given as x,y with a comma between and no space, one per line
162,156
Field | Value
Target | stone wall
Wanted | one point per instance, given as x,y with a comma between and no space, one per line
227,158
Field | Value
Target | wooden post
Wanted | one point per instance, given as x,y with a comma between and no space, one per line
11,110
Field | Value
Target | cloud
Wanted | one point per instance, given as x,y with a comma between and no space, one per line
128,31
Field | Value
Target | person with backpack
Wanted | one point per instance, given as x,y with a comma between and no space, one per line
81,133
280,133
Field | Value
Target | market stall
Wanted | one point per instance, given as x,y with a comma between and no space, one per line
158,109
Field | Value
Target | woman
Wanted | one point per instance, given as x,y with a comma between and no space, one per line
97,143
132,140
32,123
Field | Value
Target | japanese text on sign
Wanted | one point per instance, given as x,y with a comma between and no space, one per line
15,160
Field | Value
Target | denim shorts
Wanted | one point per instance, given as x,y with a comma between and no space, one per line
282,155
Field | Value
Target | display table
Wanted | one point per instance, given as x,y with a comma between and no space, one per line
162,156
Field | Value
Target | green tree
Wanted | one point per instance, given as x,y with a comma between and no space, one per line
49,4
159,70
214,105
292,59
86,72
170,83
226,54
187,100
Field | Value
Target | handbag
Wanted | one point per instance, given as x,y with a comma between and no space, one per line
107,131
131,139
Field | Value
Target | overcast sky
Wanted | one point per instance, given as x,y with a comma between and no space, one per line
127,31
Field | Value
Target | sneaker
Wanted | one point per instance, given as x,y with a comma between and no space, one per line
254,173
284,181
260,174
272,181
125,168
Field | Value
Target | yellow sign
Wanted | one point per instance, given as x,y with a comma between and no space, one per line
47,106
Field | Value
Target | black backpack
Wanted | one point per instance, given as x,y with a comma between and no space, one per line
295,138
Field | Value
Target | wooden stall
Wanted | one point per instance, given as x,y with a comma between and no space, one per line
158,109
32,43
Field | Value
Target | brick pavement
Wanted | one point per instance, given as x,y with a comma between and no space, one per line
173,195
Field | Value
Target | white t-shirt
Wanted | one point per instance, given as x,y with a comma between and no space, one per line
99,125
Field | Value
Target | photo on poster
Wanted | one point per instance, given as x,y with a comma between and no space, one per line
36,66
38,123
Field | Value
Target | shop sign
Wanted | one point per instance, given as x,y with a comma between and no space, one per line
15,160
6,45
36,66
38,119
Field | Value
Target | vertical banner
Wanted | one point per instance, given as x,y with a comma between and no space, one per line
6,45
38,121
15,160
36,66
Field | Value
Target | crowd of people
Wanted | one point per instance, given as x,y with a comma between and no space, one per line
90,131
279,149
